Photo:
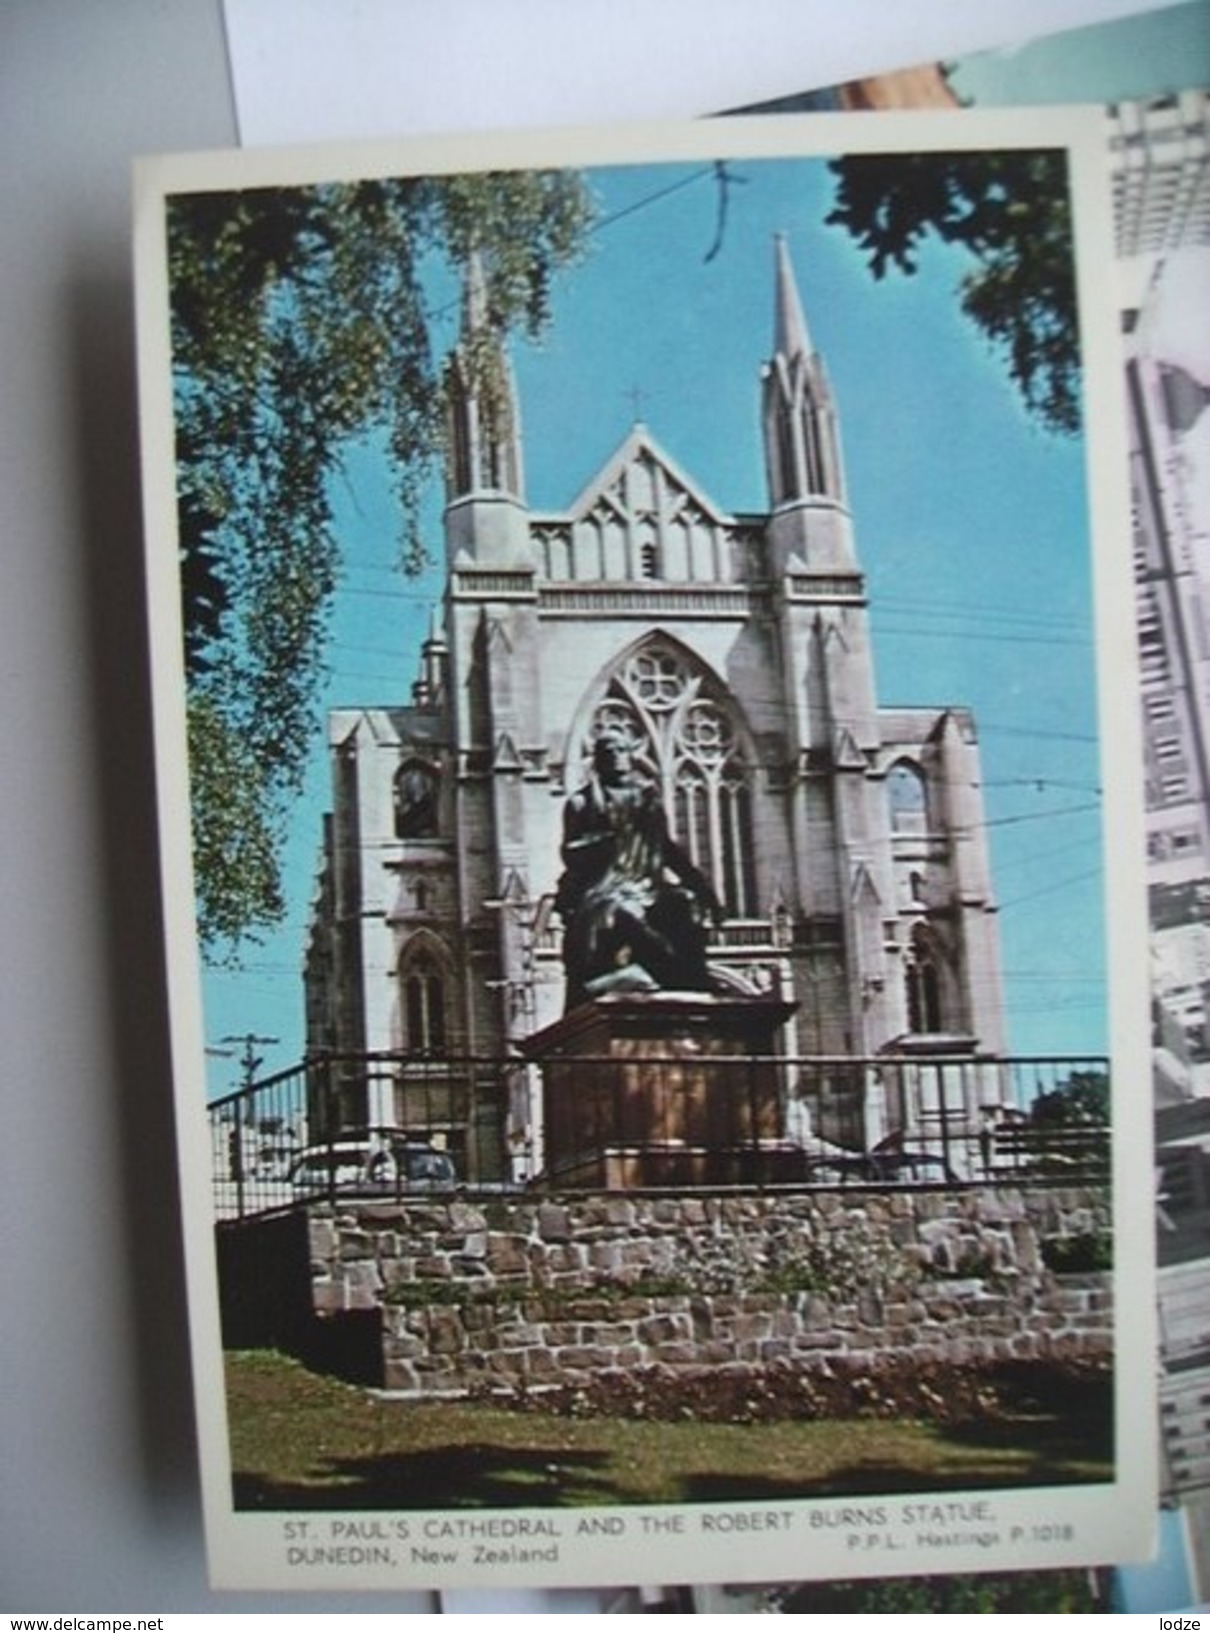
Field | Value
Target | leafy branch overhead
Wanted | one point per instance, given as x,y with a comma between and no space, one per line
1011,211
299,324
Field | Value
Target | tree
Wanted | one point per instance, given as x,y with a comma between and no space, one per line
1068,1133
1081,1101
299,323
1011,210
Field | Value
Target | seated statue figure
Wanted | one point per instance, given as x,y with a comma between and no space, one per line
634,906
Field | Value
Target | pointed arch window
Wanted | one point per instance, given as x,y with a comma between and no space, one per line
425,994
684,735
786,485
817,474
907,798
458,434
923,975
481,420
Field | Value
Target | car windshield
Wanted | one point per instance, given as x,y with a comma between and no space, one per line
428,1165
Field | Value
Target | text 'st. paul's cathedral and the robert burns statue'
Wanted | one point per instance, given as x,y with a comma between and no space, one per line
644,804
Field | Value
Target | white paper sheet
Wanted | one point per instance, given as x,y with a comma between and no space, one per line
330,70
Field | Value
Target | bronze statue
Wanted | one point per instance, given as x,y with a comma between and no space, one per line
634,906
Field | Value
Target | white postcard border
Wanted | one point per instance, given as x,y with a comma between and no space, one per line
1035,1527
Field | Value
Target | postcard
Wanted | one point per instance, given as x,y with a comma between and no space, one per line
651,831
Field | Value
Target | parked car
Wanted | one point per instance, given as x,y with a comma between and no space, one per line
319,1167
382,1162
880,1168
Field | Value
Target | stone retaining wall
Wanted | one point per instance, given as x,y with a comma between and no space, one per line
526,1293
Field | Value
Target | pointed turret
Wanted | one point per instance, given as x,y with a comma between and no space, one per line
484,425
802,443
484,481
430,685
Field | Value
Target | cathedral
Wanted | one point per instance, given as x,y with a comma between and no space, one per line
732,654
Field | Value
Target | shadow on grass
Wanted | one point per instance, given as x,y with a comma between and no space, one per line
1013,1453
1068,1446
305,1442
1056,1443
1044,1451
462,1476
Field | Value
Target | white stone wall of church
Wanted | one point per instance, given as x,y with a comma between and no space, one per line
827,1008
538,685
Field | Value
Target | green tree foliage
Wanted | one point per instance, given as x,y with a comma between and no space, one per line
1080,1102
1011,211
298,323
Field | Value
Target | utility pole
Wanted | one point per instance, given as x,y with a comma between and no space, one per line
250,1064
250,1061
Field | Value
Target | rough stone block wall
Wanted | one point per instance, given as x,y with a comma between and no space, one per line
525,1293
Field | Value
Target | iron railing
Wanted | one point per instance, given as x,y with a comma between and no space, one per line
389,1125
346,1123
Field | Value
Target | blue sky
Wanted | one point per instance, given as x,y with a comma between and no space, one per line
970,525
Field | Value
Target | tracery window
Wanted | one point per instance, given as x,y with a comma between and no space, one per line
425,994
683,735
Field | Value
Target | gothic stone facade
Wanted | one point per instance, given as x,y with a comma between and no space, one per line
846,840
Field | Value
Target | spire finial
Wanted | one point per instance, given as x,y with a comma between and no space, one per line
790,337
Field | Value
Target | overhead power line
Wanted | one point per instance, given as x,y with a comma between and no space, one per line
1052,887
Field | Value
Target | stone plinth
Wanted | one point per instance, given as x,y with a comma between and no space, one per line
663,1089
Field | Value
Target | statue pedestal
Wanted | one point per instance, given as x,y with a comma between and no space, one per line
664,1089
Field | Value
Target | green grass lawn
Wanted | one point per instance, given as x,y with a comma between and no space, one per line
303,1441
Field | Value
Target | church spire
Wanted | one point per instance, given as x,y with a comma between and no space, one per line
809,526
483,423
790,337
802,447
